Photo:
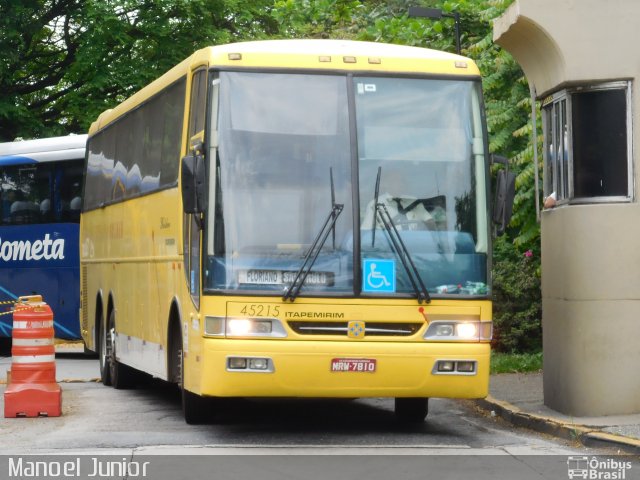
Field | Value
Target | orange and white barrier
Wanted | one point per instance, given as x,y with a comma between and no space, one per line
32,390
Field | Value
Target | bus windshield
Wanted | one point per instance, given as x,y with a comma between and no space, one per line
289,147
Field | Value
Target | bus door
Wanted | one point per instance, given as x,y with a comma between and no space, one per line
193,223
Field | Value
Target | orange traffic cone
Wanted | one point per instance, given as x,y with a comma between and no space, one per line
32,390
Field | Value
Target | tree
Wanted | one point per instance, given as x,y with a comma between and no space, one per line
65,61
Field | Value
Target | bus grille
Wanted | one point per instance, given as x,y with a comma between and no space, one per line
377,329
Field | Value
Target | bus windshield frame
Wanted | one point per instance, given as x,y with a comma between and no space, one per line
290,145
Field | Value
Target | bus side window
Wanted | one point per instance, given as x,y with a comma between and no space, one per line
198,103
68,189
191,239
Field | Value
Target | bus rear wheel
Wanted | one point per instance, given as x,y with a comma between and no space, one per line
104,352
122,376
411,410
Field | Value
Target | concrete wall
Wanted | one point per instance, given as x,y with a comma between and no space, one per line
571,41
590,253
591,309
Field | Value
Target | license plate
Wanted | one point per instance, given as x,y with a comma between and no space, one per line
279,277
364,365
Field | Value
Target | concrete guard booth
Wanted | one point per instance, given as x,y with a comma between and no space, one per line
583,59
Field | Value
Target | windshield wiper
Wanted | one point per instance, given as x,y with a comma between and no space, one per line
401,249
375,208
293,290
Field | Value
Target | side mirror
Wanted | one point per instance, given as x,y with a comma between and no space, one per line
193,179
504,195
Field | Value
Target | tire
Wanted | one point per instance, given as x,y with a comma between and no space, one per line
195,409
104,353
411,410
122,376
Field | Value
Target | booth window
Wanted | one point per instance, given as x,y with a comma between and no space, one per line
587,143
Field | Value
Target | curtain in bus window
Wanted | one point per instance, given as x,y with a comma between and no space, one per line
93,173
108,163
135,123
198,102
121,137
173,111
152,139
99,170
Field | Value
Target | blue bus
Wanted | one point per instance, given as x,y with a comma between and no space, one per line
40,191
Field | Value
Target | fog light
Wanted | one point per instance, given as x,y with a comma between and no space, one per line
237,363
467,330
466,367
445,366
258,363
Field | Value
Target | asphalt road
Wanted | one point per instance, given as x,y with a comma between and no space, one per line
147,421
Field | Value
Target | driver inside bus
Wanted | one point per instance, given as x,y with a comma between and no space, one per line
406,211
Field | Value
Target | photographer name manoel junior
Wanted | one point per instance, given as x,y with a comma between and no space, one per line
87,467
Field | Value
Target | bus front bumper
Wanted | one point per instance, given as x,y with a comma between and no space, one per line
341,369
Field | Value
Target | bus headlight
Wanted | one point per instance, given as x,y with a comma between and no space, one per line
444,330
459,330
467,331
244,327
239,326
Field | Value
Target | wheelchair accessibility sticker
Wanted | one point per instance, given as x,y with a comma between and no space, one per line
379,276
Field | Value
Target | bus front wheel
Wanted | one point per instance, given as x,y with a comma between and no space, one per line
194,407
411,410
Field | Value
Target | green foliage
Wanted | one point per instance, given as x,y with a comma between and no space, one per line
66,61
517,298
515,362
317,18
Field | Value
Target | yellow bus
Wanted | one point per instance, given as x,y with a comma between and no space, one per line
293,218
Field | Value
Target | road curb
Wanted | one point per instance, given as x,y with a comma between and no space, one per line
587,436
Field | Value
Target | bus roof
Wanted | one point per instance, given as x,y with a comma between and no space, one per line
308,54
50,149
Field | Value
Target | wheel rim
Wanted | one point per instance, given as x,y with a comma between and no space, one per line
103,350
179,368
111,350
